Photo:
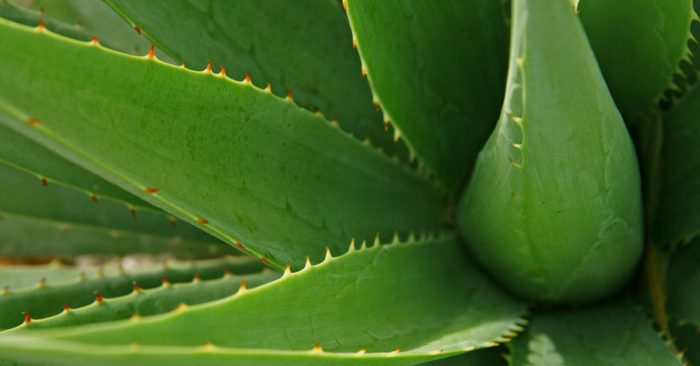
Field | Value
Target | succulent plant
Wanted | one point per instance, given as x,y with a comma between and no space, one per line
317,182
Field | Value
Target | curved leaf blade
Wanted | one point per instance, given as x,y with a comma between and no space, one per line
639,45
245,168
614,334
458,310
438,71
302,46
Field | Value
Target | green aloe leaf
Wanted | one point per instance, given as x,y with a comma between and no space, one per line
20,276
27,237
10,10
437,69
97,19
48,298
250,168
682,284
159,300
560,167
29,196
677,218
372,317
302,46
482,357
639,45
615,334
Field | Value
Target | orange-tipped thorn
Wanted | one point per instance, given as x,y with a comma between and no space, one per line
66,307
93,197
27,318
137,29
363,71
240,245
98,297
196,277
41,10
243,286
208,68
354,43
165,280
345,5
222,71
151,51
32,121
317,348
247,79
132,211
95,40
268,88
290,95
137,287
202,221
151,190
41,25
265,260
44,181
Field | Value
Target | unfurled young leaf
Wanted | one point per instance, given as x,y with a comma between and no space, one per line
553,208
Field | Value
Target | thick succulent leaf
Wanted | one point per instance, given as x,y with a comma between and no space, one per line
373,309
560,167
48,298
159,300
23,153
253,169
678,218
32,197
639,45
20,276
10,10
682,284
97,19
437,69
26,237
302,46
615,334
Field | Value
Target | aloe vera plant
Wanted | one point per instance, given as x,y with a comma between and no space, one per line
318,182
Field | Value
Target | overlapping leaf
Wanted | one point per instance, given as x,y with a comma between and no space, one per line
323,314
302,46
639,45
437,69
615,334
253,169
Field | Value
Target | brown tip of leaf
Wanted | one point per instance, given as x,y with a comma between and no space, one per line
151,51
98,297
151,190
202,221
41,25
32,121
137,29
44,181
27,318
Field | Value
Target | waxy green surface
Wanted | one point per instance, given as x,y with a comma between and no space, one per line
616,334
677,219
554,208
371,309
639,45
304,46
437,69
238,162
48,298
